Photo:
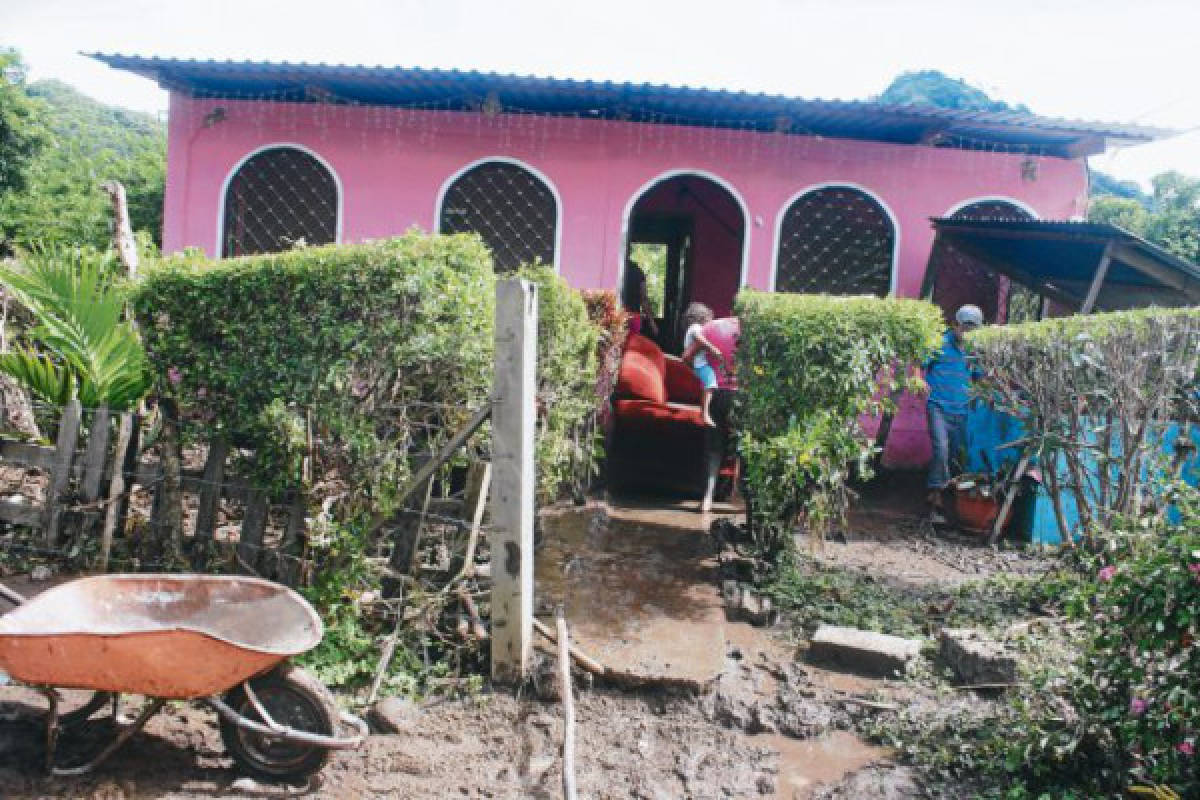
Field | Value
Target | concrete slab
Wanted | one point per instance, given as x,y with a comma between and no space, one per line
977,659
640,596
862,651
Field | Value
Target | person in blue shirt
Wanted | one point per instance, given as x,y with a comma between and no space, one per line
949,374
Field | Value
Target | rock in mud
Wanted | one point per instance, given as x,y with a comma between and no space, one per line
877,783
393,715
977,659
745,604
864,652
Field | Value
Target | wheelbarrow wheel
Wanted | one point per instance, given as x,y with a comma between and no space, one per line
293,698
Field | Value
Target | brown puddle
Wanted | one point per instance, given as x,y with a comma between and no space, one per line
806,764
640,597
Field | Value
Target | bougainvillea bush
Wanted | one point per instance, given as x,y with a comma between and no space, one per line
810,366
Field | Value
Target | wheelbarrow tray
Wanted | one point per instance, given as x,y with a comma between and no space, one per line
170,636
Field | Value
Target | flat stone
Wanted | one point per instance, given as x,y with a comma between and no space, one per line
863,651
393,715
975,658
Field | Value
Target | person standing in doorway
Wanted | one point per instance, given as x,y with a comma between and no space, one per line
949,374
635,297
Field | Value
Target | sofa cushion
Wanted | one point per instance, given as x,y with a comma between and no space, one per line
644,415
641,373
681,382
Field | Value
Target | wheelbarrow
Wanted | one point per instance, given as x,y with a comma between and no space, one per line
222,641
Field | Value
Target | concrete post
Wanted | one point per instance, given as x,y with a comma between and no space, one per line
514,420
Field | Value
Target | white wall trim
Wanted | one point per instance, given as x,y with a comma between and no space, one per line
337,182
676,173
532,170
837,185
993,198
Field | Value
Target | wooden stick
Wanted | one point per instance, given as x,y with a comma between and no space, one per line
478,629
116,488
871,704
123,240
586,662
431,466
1013,486
568,699
385,660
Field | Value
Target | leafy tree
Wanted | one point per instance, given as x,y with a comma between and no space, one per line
1172,220
88,143
1104,185
930,87
21,133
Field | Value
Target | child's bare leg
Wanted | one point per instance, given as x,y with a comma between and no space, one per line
705,402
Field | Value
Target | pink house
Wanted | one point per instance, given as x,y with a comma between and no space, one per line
739,189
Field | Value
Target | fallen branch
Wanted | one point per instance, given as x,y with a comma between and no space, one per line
385,660
585,662
872,704
568,698
478,629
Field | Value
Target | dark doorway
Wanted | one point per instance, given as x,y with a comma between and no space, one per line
699,227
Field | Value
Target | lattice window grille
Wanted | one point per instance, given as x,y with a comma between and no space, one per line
512,209
278,199
835,241
987,288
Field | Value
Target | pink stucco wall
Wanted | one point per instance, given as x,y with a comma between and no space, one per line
392,165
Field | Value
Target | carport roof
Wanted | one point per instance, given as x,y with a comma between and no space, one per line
1060,258
1005,131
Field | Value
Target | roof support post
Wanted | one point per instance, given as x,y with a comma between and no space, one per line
1098,280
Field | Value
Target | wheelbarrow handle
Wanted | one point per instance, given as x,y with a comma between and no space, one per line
11,596
285,733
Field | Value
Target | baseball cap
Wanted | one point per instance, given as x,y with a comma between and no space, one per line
969,315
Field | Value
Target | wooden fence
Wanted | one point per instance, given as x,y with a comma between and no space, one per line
87,494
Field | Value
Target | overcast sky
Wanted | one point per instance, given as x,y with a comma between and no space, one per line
1093,59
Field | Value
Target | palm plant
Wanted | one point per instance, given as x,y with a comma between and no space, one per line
79,346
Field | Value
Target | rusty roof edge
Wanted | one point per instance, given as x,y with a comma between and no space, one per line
153,67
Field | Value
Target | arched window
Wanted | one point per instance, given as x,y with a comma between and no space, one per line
961,280
278,198
513,210
836,240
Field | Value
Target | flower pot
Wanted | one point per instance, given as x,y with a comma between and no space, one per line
976,512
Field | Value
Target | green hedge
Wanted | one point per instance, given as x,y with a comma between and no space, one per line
1097,390
809,366
382,349
362,344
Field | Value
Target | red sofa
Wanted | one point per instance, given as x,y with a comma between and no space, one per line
659,439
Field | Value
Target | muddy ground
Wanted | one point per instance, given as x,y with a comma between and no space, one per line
769,726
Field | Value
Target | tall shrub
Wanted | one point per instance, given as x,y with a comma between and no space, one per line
566,378
1096,395
809,367
347,360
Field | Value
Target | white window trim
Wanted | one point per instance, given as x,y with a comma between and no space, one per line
837,185
337,182
676,173
532,170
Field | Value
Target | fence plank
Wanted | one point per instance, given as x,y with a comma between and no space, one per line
512,498
94,459
130,468
60,471
210,489
29,455
297,513
254,525
116,489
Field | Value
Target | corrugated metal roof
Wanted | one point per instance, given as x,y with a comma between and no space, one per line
1065,254
647,102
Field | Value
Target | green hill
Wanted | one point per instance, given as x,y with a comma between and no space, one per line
87,143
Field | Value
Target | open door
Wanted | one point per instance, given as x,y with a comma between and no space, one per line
687,234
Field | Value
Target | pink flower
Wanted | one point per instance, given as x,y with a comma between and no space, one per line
1195,570
1107,573
174,376
1187,748
1137,706
202,392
